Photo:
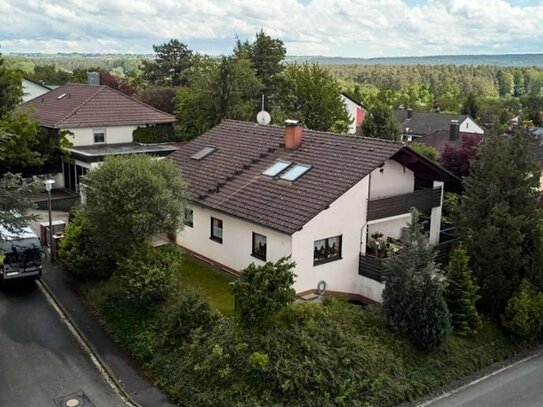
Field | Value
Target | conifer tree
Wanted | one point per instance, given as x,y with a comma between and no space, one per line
413,296
461,294
498,212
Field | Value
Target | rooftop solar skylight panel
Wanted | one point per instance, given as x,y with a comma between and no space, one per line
203,153
295,172
276,168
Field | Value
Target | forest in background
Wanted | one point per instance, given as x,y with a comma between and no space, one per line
491,88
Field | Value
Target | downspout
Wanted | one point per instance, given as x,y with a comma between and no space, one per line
364,227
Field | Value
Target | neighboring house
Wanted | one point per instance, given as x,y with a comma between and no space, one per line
435,126
258,193
100,120
356,111
32,89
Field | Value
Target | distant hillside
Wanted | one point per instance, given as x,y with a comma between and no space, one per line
500,60
108,60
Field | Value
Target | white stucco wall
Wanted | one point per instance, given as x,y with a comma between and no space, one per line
114,135
32,90
236,247
346,217
391,227
469,126
351,108
395,179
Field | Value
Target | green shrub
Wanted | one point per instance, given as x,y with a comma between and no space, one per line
263,290
146,274
523,316
186,312
78,250
461,294
156,133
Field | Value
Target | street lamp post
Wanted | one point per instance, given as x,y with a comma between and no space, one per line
48,186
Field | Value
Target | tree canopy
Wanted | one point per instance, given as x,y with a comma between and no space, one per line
170,66
132,198
498,212
380,123
309,93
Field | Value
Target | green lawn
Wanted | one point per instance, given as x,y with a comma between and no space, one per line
210,283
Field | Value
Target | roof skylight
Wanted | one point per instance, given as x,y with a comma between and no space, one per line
203,153
61,96
276,168
295,172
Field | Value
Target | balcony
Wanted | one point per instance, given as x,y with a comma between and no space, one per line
421,199
373,267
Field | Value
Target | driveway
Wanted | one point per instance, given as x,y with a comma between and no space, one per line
41,363
518,386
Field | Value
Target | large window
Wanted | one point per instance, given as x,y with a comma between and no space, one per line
216,230
259,246
99,136
326,250
189,217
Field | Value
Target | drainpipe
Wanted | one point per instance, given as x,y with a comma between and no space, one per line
435,218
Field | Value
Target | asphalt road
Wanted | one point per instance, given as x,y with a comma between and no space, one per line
40,360
519,386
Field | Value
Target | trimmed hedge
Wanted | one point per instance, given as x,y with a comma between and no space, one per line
157,133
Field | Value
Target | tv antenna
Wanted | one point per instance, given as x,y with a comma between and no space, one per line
263,117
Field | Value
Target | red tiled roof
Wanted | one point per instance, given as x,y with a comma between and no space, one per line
91,106
229,180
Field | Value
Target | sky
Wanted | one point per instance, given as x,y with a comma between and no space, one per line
346,28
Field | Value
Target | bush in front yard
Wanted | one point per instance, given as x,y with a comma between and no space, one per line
146,274
78,250
263,290
186,312
523,316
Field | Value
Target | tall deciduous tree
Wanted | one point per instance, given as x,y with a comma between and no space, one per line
15,202
310,94
20,146
497,214
380,123
461,294
11,90
413,296
170,66
131,199
227,89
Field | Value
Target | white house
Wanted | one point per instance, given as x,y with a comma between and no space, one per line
32,89
356,111
258,193
100,122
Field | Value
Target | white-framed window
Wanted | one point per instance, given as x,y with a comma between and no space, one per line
99,136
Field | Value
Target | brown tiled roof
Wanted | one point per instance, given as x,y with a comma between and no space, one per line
91,106
229,180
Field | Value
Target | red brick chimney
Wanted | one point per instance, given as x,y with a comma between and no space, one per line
293,134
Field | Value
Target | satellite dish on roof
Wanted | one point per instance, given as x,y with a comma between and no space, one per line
263,117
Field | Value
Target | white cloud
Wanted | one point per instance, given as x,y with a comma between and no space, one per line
363,28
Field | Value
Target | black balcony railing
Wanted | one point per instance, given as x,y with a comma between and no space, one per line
373,267
421,199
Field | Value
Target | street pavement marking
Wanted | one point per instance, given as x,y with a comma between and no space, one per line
84,345
478,380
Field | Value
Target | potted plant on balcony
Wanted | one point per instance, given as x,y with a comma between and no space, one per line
377,245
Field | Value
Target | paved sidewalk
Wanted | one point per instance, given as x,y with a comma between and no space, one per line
138,388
